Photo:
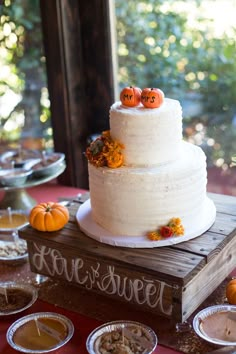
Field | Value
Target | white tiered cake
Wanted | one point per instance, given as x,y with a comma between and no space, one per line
162,177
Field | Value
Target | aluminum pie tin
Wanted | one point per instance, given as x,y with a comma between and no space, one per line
15,177
204,314
19,157
51,167
149,345
20,323
27,288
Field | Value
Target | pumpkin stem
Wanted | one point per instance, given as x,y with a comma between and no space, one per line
48,208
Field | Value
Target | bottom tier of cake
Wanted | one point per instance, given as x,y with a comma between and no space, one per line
203,221
133,201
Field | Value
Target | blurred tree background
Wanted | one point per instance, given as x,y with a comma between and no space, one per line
24,103
186,48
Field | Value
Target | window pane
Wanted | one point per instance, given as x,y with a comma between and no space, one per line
24,101
186,48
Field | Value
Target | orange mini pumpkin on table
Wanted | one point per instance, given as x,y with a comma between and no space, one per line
152,97
231,292
48,216
130,96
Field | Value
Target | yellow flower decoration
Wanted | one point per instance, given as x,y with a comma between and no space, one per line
154,235
173,228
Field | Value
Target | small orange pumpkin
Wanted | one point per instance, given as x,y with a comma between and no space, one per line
130,96
48,216
231,292
152,97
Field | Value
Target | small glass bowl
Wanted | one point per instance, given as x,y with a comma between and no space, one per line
11,220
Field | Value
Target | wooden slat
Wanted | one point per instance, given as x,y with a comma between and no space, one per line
207,280
224,203
202,245
173,265
177,263
190,268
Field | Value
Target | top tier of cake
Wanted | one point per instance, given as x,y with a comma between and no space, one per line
150,136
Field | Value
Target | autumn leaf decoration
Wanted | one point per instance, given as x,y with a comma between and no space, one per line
173,228
105,152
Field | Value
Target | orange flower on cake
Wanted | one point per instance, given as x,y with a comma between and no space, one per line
154,236
115,160
94,153
177,227
173,228
166,231
105,152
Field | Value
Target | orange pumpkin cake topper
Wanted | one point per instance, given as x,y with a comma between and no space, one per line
130,96
152,97
48,216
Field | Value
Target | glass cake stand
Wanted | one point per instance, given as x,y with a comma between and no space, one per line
17,197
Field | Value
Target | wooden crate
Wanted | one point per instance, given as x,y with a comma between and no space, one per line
169,281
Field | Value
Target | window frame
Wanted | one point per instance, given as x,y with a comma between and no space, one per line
77,38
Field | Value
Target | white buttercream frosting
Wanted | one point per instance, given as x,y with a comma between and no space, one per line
163,176
134,200
150,136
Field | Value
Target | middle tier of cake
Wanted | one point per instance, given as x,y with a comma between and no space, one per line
133,200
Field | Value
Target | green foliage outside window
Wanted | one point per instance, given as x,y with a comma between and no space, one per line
157,47
23,71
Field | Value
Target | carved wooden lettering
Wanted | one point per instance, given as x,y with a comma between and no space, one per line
106,278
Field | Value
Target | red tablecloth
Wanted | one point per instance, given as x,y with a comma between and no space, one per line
83,326
52,191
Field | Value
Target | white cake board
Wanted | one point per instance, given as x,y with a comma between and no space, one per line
93,230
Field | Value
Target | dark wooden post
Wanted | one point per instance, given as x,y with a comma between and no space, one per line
80,77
